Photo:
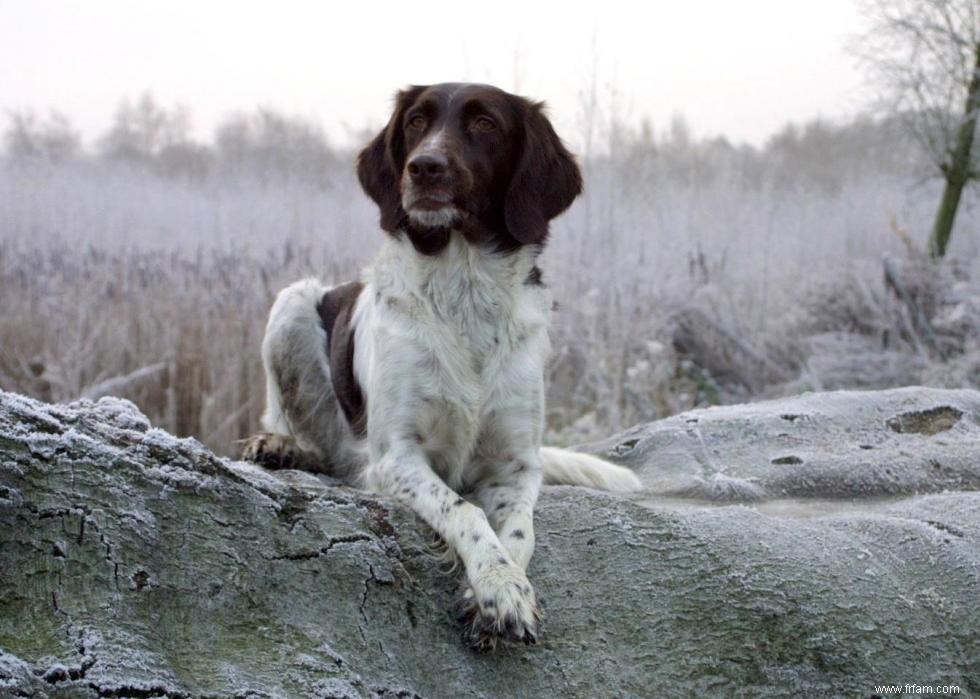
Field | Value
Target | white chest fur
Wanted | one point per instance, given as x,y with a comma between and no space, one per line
443,341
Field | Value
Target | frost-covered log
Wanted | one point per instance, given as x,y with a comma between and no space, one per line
815,546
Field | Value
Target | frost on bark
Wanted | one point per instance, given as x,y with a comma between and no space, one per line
812,546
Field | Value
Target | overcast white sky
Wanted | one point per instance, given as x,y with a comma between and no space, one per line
741,69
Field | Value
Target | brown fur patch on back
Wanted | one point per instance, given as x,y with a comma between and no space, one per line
335,311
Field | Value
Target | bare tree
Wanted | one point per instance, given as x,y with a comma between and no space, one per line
925,57
143,129
274,145
53,139
148,134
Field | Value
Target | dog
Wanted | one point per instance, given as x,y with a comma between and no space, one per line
424,379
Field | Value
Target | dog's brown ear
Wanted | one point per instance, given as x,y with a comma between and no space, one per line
380,164
545,181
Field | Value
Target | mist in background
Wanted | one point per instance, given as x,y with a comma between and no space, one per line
747,230
739,70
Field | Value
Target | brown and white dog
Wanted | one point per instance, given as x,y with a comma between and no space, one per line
424,380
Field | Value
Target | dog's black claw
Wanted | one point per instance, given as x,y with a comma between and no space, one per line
484,643
483,632
510,626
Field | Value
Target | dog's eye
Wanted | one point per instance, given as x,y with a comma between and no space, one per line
484,124
416,122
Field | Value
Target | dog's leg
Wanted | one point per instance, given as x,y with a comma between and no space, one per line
508,496
423,402
508,499
304,426
507,470
508,464
501,592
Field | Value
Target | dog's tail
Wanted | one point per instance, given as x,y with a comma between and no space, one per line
563,467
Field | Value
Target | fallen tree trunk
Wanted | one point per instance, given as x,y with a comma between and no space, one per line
135,564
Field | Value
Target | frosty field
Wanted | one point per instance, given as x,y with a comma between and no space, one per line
689,273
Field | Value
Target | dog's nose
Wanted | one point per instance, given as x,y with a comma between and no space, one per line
428,168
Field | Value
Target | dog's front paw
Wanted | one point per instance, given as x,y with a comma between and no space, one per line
273,451
500,603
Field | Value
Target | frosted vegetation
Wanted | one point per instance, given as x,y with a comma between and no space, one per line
692,272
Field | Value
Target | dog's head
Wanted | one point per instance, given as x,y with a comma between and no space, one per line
472,158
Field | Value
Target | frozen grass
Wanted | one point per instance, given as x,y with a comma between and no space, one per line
115,279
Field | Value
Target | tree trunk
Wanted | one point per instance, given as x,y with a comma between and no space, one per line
813,546
958,172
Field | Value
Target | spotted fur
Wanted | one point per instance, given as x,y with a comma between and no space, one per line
446,340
